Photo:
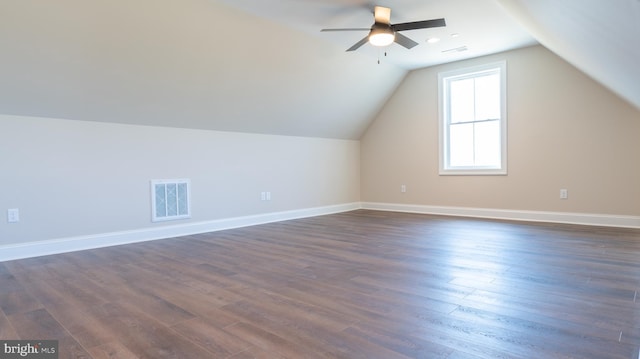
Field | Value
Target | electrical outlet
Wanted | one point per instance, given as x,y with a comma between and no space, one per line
564,194
403,188
13,215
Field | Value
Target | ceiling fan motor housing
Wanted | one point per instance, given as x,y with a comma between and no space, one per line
384,33
381,34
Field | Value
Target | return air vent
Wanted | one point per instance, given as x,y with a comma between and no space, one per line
456,49
170,199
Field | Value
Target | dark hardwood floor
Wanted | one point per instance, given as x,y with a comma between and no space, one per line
362,284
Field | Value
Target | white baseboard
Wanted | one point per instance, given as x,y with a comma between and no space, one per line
64,245
517,215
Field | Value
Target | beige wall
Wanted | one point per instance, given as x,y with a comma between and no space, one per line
565,131
77,178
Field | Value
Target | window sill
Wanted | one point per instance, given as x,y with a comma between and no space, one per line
473,172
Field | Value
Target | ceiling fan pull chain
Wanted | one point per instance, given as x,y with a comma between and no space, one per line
385,55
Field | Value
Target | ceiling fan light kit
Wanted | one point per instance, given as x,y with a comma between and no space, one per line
381,35
384,33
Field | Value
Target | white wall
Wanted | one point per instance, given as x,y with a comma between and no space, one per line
564,131
75,178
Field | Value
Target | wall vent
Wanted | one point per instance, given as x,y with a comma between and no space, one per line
170,199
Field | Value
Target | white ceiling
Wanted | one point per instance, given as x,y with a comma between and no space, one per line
265,67
599,37
482,26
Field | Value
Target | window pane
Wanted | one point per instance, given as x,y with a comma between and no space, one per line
487,105
487,144
461,145
461,100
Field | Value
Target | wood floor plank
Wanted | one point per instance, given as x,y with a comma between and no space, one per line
269,342
38,324
6,329
69,348
360,284
271,322
144,336
217,341
565,341
41,325
256,353
111,350
13,296
19,301
412,347
295,310
87,329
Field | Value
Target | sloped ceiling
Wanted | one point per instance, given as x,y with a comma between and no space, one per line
601,38
263,66
189,63
482,26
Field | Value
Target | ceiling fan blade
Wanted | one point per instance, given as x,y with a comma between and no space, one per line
419,25
358,44
382,15
351,29
405,41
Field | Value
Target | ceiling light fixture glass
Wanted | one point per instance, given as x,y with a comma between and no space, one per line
381,35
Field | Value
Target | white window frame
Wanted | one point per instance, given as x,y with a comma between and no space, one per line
444,79
167,216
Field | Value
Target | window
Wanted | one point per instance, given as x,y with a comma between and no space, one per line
473,122
170,200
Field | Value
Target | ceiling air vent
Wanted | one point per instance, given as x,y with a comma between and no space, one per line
456,49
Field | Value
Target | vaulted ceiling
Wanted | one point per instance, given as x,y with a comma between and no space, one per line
265,67
599,37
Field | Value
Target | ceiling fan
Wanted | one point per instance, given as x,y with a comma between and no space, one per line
384,33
